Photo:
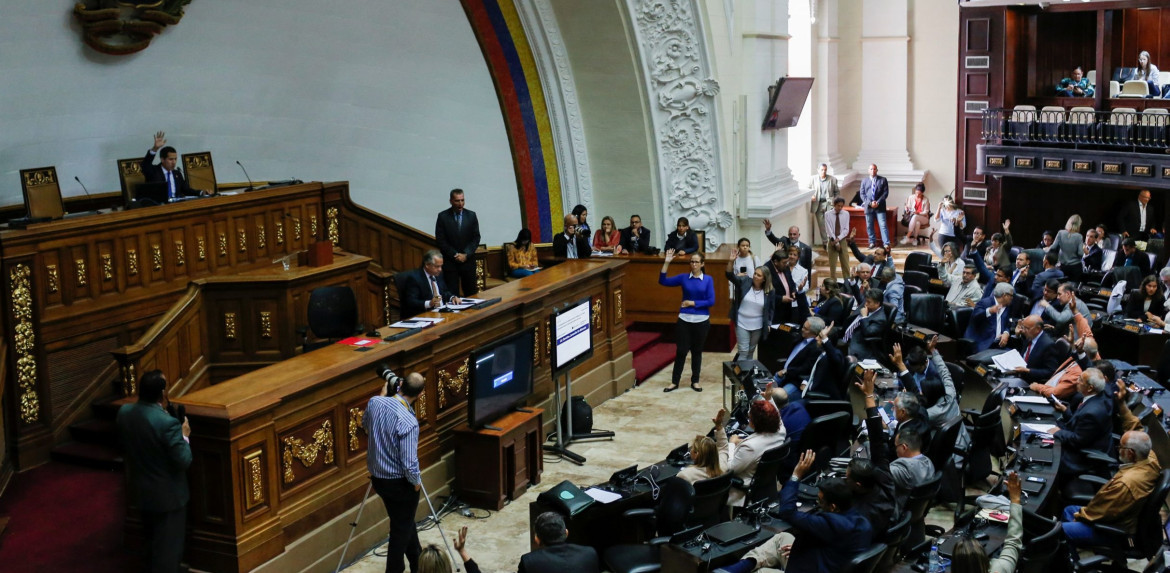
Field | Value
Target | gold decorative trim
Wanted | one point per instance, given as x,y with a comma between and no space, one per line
229,325
54,280
536,346
132,262
279,233
24,342
242,239
480,274
222,243
265,324
313,226
617,305
420,407
455,383
356,417
180,254
297,229
597,313
386,302
156,257
79,264
129,381
36,177
548,335
201,246
254,466
334,230
295,448
107,267
261,237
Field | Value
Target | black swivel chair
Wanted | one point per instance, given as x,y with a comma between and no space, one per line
333,315
917,503
675,502
915,261
710,504
956,321
866,561
928,311
764,480
1040,550
916,277
894,539
827,436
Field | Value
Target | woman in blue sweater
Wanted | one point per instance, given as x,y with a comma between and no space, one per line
694,317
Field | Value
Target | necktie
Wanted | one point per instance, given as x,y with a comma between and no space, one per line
170,185
1028,353
434,286
459,220
837,227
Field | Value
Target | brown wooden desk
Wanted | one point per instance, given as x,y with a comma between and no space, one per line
857,224
281,450
648,302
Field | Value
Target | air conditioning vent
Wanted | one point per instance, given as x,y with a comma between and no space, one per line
974,106
974,194
977,62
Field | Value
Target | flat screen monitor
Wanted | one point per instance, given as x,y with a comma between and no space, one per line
786,101
501,378
572,335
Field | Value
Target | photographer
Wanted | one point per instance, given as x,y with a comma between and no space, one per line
392,428
157,457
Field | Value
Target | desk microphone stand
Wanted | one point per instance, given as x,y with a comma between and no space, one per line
564,433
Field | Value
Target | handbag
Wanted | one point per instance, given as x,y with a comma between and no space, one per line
906,215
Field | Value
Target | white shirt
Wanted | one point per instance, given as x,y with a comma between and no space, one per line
1142,216
749,262
571,246
751,310
831,221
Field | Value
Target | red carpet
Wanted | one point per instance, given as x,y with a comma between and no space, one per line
65,518
651,359
639,339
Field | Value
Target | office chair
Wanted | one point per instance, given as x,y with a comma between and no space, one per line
333,315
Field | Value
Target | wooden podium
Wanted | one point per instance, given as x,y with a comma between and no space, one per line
496,465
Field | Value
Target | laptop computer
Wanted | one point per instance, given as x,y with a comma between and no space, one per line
730,532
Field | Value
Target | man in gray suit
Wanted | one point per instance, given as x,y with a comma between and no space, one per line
157,457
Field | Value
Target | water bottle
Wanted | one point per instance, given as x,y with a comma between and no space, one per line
934,564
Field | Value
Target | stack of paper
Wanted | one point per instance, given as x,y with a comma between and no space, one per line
1009,361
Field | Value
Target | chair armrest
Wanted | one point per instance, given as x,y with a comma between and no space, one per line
645,513
1114,532
736,482
1095,480
657,541
1092,563
934,531
1099,457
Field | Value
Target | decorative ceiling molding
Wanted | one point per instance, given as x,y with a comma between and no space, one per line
682,94
556,75
120,27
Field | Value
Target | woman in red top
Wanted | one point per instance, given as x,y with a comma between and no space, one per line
607,238
916,213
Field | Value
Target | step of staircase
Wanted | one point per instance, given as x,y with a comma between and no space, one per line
820,268
100,456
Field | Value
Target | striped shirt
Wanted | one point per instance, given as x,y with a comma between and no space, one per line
393,439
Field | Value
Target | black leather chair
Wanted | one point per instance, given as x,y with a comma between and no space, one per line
1035,260
1143,544
917,278
1131,275
710,503
894,538
764,481
916,260
826,435
332,316
956,321
866,561
675,501
928,311
818,408
917,503
1039,551
959,376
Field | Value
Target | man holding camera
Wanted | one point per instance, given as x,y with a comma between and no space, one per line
392,459
157,457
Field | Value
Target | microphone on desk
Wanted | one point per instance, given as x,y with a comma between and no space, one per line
250,186
87,195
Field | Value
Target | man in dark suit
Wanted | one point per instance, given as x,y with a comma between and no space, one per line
636,238
977,244
1138,218
157,457
1134,257
570,244
1040,355
870,323
457,233
878,260
828,370
874,192
554,555
1089,428
792,240
862,281
800,361
167,170
1051,271
789,306
989,321
424,289
1092,255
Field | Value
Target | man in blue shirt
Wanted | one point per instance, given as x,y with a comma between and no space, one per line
392,459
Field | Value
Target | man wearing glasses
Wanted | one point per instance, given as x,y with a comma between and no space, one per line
792,240
570,245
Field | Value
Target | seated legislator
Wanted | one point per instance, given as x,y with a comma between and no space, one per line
1089,428
1038,351
167,170
894,293
861,281
870,323
569,244
424,289
1092,256
999,252
950,266
874,493
805,353
793,416
1075,86
682,239
1131,256
969,556
636,238
608,239
1051,271
1063,383
741,456
521,254
1068,314
553,553
965,292
705,461
835,307
1146,302
828,371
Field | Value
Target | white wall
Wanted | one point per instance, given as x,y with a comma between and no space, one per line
392,96
934,70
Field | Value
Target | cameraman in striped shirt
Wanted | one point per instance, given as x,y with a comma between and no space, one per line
392,459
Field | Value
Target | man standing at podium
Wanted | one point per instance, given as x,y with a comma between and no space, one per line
393,463
457,232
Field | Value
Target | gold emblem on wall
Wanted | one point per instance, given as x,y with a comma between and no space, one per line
24,342
353,426
296,448
386,303
201,245
132,262
125,27
222,243
313,226
156,257
79,264
480,274
129,382
265,324
297,229
242,239
107,267
420,407
334,227
38,177
453,382
596,314
261,238
617,306
254,470
229,325
279,233
180,254
54,280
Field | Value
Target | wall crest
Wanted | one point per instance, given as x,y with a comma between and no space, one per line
120,27
683,91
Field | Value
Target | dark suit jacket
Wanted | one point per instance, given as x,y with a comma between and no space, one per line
856,291
643,240
1093,260
1140,259
982,328
805,250
454,238
784,312
415,292
825,541
1089,428
881,506
157,457
871,326
687,244
799,368
828,374
1133,308
868,259
154,174
834,311
1130,218
1044,359
876,189
560,558
561,246
1037,288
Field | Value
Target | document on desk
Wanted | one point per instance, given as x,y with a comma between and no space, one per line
464,303
1028,400
416,322
870,364
1009,361
1035,428
602,496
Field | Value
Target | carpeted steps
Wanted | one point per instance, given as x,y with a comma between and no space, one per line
94,442
651,352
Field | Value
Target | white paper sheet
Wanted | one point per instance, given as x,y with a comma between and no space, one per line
1009,360
1037,428
602,496
1028,400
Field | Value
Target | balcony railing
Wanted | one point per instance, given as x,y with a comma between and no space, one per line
1117,130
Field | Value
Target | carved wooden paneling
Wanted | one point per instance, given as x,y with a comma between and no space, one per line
307,451
453,381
